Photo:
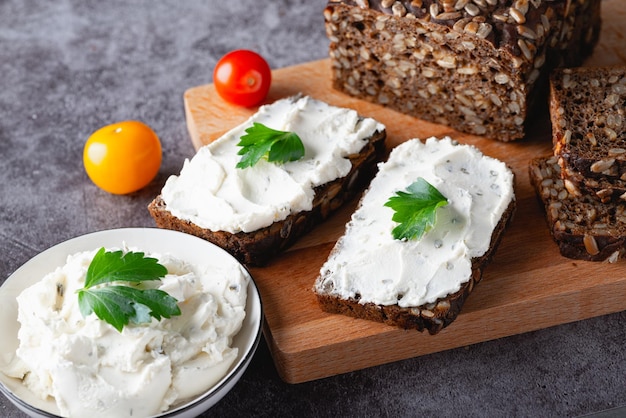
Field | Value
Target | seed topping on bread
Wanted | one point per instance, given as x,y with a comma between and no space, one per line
516,25
475,65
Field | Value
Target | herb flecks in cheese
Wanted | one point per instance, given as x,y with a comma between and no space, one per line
213,194
368,264
92,370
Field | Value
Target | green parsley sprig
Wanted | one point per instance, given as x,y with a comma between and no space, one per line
263,142
110,294
415,209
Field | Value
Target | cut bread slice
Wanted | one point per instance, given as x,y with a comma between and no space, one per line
583,227
256,212
588,114
420,283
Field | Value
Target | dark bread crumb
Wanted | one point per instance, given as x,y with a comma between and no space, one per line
588,114
583,227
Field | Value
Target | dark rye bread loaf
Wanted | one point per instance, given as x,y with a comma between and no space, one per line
588,113
258,247
474,65
583,227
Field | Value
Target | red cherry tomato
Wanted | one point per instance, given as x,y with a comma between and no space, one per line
242,77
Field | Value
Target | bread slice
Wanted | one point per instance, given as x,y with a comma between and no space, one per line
202,198
477,66
420,284
583,227
588,113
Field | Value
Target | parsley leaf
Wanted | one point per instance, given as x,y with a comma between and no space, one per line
119,304
263,142
415,209
113,266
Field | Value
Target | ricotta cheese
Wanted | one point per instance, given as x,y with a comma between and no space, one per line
213,194
370,265
92,370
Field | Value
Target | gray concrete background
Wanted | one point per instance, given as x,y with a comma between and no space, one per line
69,67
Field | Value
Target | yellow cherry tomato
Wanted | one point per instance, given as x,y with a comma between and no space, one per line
123,157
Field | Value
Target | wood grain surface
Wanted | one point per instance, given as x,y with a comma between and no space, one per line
528,286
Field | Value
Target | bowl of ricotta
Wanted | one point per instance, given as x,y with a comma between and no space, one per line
57,362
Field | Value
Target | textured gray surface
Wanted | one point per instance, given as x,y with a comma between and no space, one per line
70,67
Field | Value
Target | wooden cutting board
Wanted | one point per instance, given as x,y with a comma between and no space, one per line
528,286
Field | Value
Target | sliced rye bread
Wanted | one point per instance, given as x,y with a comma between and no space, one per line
259,246
432,316
583,227
478,66
588,114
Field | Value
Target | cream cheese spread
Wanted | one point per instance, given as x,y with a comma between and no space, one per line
213,194
92,370
370,265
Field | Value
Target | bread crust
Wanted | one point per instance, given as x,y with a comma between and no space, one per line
256,248
477,69
432,317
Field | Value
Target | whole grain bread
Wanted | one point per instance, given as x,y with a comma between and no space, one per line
258,247
477,66
432,316
588,114
584,227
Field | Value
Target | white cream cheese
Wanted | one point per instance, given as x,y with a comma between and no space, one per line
369,264
213,194
92,370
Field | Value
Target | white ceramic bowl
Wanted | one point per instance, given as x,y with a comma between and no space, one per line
183,246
